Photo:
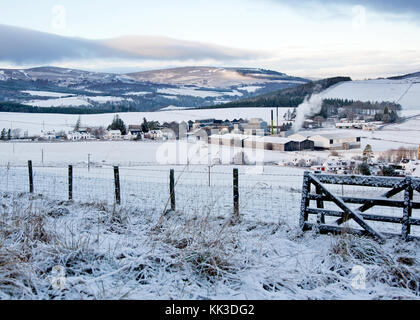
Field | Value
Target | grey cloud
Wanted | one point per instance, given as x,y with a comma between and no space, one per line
25,46
174,49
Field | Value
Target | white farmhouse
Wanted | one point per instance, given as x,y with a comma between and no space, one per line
114,135
79,135
134,132
155,135
48,135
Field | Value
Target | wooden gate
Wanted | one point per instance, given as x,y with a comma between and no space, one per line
397,185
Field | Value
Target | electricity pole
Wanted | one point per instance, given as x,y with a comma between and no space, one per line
272,122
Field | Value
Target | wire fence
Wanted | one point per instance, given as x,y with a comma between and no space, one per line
271,195
265,195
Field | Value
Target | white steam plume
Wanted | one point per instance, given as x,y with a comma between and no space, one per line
308,108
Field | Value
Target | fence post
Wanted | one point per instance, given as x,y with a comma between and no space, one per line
236,193
31,177
117,185
408,197
209,175
172,188
70,182
306,189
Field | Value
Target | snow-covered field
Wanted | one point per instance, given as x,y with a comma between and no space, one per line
198,93
406,134
404,92
59,102
47,94
103,99
34,123
75,101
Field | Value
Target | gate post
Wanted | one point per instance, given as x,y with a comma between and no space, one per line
306,189
320,205
408,197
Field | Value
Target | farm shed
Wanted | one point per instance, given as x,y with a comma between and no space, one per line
254,142
335,141
229,140
271,143
304,142
280,144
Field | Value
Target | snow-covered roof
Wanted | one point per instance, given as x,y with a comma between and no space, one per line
297,137
335,135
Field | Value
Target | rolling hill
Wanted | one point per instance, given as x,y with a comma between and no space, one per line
52,87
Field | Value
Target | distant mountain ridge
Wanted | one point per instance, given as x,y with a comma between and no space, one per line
141,91
407,76
212,77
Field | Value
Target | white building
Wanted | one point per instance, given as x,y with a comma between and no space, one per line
79,135
338,165
48,135
114,135
335,141
155,135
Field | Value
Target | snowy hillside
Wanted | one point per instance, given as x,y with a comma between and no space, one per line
404,91
210,77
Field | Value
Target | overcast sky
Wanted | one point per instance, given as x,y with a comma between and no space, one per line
362,39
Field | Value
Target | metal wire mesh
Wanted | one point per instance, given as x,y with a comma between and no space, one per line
271,195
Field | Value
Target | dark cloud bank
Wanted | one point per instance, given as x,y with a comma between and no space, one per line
25,46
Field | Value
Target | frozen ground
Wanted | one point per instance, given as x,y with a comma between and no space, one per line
91,249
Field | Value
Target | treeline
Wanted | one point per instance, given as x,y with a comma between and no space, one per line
17,107
351,109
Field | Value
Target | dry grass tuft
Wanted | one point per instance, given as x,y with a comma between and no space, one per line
204,243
